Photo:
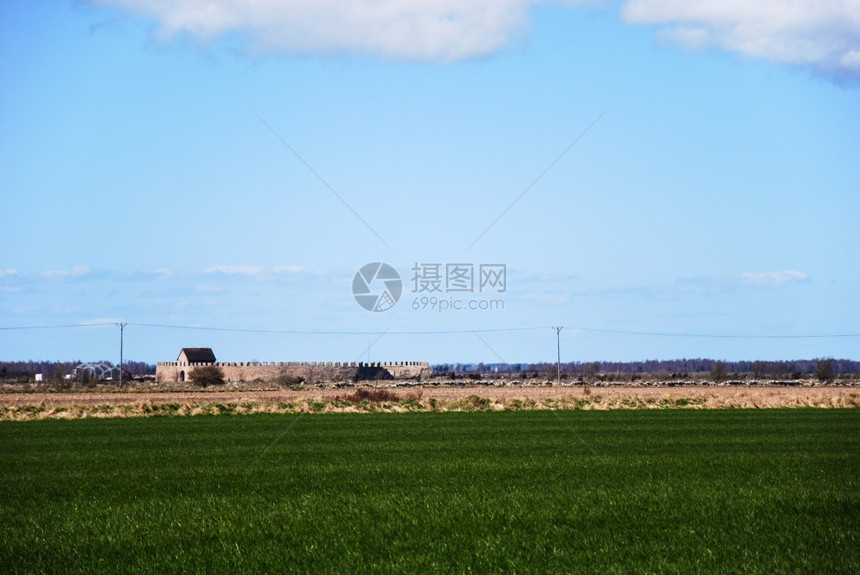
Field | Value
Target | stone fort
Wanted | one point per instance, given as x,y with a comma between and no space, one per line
311,372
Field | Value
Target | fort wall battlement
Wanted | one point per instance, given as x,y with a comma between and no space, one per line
310,372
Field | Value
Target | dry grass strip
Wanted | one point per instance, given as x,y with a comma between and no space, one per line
27,406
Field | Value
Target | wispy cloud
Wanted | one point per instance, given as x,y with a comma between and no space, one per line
288,270
768,280
260,273
771,279
234,270
8,272
164,273
75,272
822,35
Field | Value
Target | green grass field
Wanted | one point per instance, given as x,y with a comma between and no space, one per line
775,491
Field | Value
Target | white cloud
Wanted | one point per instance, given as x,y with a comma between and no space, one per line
75,271
441,30
234,270
749,279
164,273
823,34
8,272
770,279
288,270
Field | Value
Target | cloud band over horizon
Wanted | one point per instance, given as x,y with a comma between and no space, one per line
823,36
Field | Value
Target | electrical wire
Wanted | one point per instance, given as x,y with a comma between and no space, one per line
440,332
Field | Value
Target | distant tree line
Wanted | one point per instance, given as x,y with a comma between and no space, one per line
58,369
824,369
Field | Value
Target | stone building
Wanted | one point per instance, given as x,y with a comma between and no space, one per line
196,355
311,372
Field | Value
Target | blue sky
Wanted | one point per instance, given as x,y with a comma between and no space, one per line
663,179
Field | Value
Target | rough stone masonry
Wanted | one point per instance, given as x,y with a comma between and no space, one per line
311,372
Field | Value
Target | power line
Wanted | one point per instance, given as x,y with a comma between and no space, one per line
70,325
712,335
438,332
273,331
335,332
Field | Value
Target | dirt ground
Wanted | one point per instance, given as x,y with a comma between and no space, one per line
499,397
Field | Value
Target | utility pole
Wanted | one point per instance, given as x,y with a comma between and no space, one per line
121,328
558,329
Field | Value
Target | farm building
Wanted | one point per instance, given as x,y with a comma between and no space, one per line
191,357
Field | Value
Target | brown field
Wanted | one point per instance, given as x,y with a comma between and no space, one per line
137,403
